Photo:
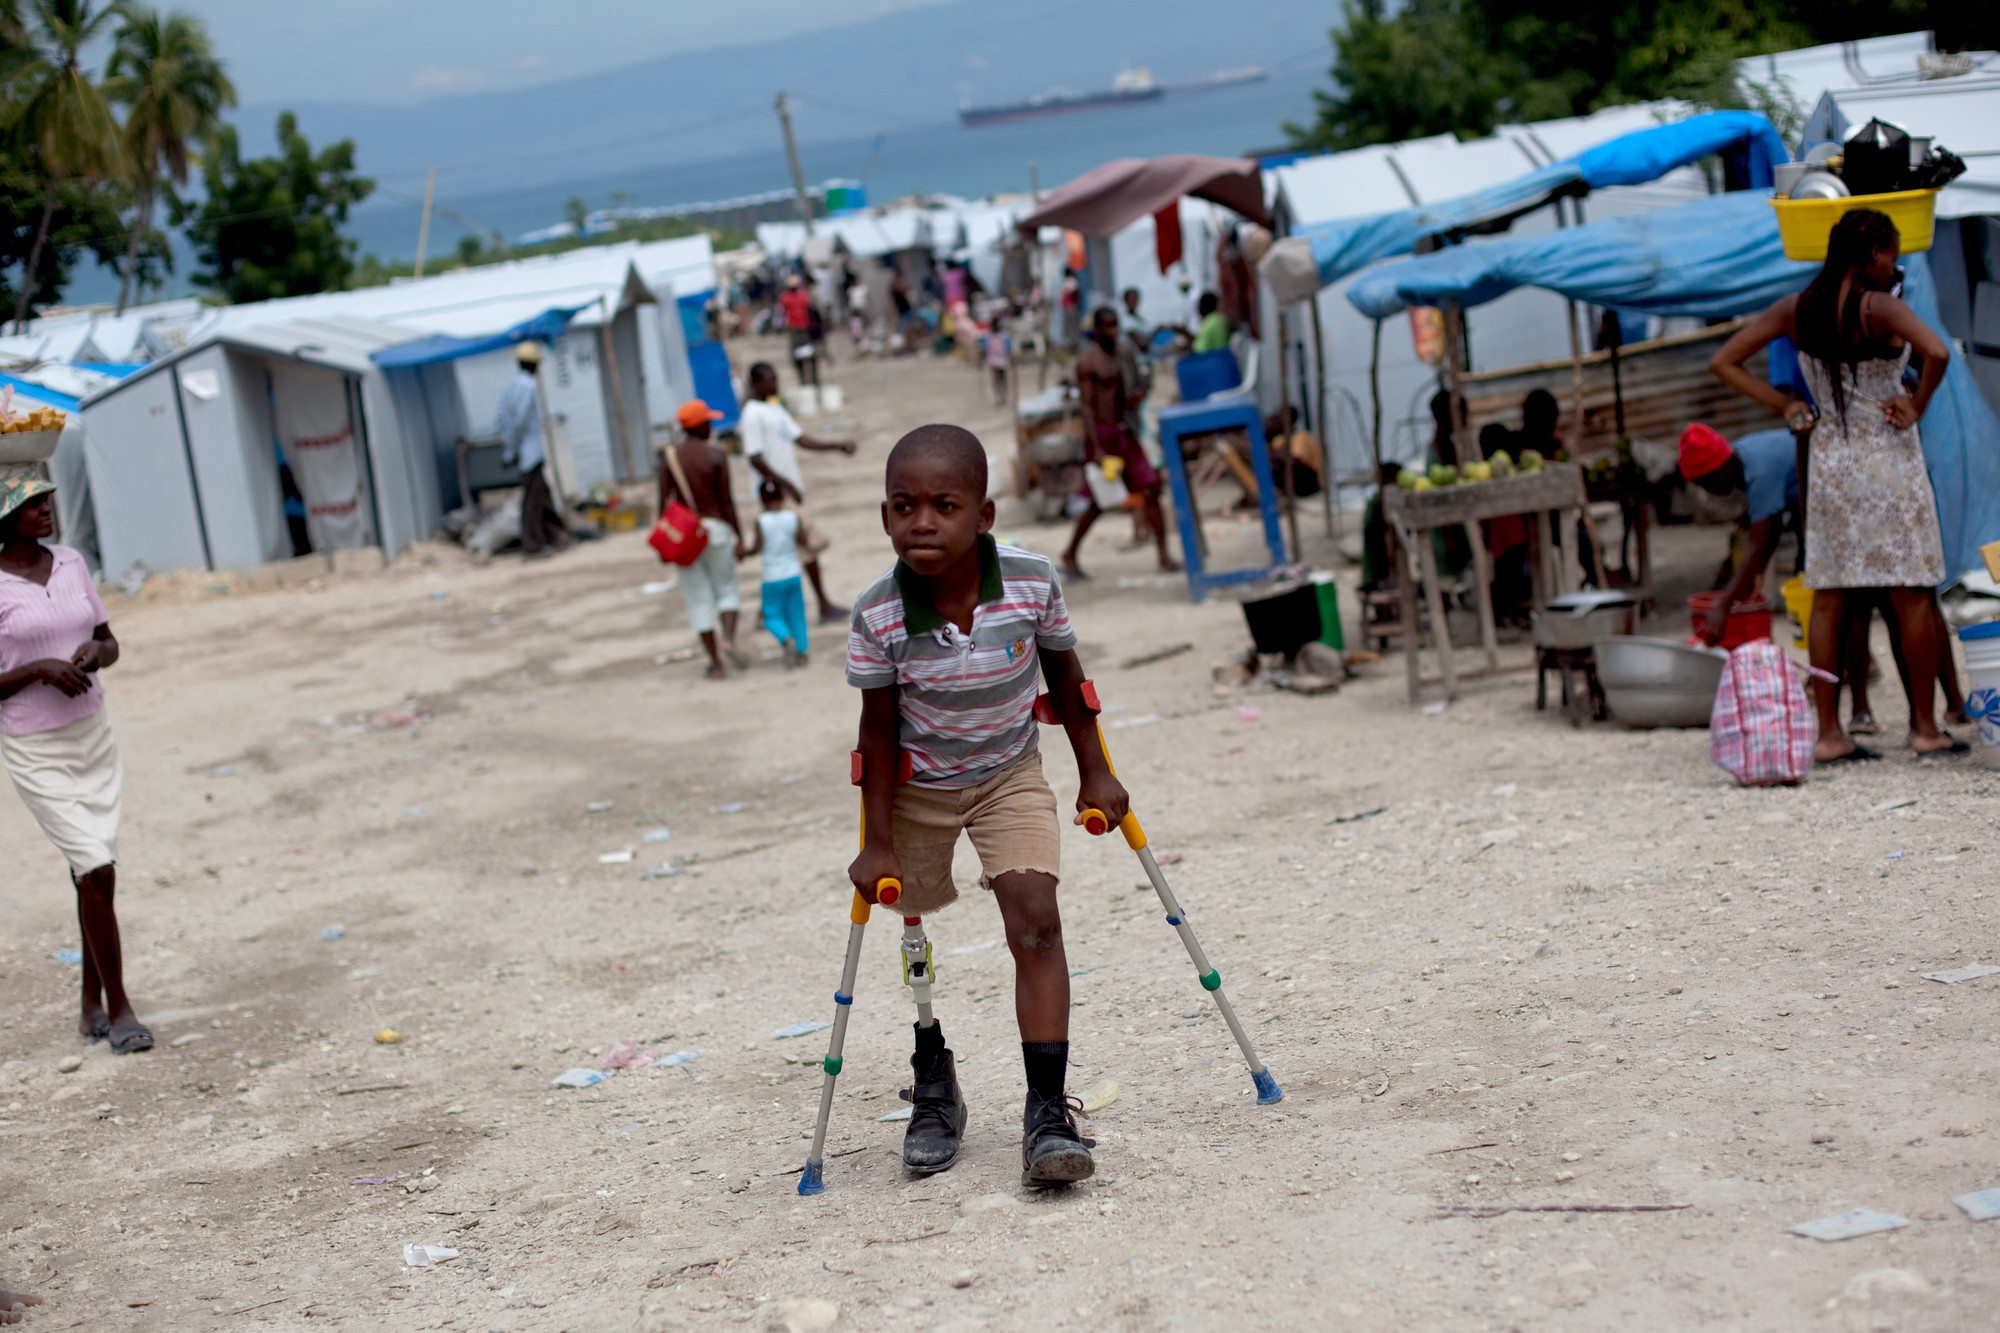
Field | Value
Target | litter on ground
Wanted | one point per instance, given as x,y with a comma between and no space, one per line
1846,1226
580,1078
801,1029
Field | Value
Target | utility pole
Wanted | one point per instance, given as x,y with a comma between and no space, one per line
1034,183
792,152
424,227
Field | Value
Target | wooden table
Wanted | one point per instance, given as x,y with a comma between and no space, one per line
1557,488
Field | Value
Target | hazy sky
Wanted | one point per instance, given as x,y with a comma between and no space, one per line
405,50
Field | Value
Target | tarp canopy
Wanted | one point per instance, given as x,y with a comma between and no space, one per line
545,327
1717,257
1345,245
1107,199
1714,258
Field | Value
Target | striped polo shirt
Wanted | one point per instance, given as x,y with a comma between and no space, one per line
967,700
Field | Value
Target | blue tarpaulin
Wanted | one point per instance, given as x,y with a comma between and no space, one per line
1716,257
710,363
40,393
1342,246
545,327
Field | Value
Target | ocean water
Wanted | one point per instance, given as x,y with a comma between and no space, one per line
941,158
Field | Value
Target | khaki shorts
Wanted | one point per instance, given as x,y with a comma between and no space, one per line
1010,817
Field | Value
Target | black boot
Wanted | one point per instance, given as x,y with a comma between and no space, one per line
1052,1152
937,1114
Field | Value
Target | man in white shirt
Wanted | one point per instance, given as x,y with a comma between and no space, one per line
769,436
519,421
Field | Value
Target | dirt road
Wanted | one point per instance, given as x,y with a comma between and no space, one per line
1495,962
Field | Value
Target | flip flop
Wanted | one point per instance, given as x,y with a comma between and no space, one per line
100,1028
1957,746
127,1041
1856,755
1862,724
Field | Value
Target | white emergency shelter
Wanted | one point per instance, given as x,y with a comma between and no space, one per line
183,456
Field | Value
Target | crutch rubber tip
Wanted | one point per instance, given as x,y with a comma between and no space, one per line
887,890
1268,1092
1095,823
811,1182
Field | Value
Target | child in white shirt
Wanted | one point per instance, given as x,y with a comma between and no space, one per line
784,597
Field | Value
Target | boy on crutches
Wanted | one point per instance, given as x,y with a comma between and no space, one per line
946,649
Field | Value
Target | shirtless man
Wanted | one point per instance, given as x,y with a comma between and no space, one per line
709,584
1101,387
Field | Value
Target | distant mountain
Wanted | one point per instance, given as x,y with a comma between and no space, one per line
897,70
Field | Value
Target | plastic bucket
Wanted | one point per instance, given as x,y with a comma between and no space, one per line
1798,601
1805,224
1328,594
1982,686
1283,619
1747,622
1203,373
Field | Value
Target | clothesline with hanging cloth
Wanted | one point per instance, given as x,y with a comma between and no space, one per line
1322,254
545,327
1107,199
1714,258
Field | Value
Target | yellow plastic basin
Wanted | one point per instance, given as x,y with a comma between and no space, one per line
1798,601
1804,224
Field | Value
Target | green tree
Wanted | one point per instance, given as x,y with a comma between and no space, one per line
1464,66
88,220
270,226
58,114
576,211
163,70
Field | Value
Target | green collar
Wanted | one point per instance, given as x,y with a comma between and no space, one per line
920,613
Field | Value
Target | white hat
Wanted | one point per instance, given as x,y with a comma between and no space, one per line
528,353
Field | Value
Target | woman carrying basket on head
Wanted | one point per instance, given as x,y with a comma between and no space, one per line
55,739
1871,519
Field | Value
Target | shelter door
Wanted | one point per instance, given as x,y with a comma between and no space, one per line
317,432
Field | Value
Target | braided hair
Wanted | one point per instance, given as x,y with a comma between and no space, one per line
1829,328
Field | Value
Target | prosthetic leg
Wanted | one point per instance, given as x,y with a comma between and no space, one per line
1097,824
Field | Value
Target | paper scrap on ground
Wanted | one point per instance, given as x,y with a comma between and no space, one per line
1959,974
599,807
903,1114
1100,1095
679,1058
657,835
1980,1205
332,933
580,1078
1846,1226
657,587
624,1053
620,857
423,1256
801,1029
662,872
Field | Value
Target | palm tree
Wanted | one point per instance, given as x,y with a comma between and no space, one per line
165,72
59,112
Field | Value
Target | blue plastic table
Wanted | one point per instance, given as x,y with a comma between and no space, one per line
1200,418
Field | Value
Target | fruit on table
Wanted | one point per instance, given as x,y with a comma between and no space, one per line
1531,460
1478,471
1423,484
1408,478
1501,464
1443,474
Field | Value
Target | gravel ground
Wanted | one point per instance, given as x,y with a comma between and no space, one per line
1497,963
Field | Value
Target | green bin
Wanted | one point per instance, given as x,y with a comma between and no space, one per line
1328,594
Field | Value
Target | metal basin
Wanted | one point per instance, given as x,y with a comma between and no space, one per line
1579,619
28,446
1657,682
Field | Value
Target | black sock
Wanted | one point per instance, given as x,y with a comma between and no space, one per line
930,1040
1046,1062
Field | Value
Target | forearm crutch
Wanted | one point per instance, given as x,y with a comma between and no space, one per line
1096,823
887,891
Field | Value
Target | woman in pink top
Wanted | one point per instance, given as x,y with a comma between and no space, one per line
54,737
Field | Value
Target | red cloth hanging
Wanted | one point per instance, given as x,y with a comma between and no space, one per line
1167,235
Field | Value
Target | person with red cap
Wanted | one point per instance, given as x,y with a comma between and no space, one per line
1763,465
697,473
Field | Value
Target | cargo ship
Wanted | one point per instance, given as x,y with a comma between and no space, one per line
1135,85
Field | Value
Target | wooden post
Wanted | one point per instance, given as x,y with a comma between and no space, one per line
1440,625
1575,383
1545,578
1482,570
1403,561
1326,484
784,108
1284,405
1452,318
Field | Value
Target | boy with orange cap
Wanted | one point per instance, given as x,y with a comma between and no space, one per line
1764,466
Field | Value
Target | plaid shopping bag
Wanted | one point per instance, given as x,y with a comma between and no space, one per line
1762,727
